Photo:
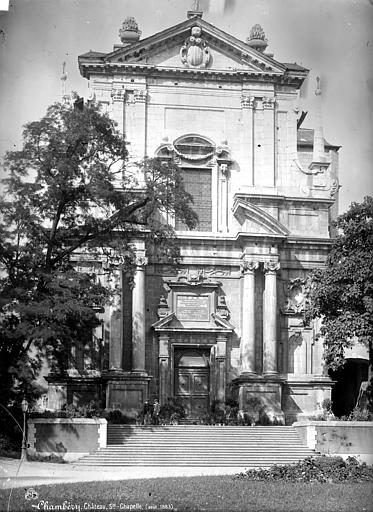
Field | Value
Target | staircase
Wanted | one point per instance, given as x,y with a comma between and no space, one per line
198,445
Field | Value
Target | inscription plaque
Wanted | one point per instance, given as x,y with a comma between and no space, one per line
192,307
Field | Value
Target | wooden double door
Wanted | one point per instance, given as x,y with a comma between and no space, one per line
192,383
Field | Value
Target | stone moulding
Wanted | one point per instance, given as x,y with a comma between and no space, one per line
243,210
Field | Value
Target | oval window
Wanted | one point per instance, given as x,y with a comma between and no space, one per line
194,147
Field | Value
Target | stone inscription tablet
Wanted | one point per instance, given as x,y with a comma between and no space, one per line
192,308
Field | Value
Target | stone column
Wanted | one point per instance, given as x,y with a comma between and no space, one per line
220,358
248,317
138,314
270,318
116,325
164,368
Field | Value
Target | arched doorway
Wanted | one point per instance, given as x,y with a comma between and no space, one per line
192,381
348,381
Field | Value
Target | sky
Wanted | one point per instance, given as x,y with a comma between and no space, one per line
332,38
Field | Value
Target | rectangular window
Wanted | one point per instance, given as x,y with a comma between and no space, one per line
197,182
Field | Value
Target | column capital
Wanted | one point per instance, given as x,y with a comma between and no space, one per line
118,94
249,266
141,262
247,101
140,95
271,267
268,103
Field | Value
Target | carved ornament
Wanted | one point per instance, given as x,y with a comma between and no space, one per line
222,308
296,292
163,309
271,267
249,266
195,53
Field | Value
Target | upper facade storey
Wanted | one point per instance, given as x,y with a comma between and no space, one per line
193,47
227,113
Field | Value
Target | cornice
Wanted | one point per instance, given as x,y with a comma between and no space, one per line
269,198
118,68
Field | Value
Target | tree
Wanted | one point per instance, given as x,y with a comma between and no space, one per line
72,188
342,293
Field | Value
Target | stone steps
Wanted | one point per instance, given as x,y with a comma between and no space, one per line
198,445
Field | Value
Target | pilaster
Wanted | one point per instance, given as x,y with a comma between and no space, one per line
268,145
221,366
164,368
247,105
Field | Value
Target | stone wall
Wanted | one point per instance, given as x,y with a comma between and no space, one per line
68,438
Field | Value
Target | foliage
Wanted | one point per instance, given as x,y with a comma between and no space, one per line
71,411
116,417
38,457
9,447
357,415
342,293
327,405
172,411
315,469
72,192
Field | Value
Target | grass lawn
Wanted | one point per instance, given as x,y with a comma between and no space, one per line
220,493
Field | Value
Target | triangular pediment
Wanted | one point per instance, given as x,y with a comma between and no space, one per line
226,52
254,220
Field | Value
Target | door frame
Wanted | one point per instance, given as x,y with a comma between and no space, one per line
196,346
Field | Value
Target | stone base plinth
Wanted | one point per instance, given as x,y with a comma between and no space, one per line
303,395
78,391
126,391
267,390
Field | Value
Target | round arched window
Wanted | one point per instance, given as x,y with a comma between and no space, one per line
194,147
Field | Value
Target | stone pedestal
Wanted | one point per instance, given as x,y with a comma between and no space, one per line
267,390
126,391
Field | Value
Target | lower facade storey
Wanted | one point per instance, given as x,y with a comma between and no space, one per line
227,324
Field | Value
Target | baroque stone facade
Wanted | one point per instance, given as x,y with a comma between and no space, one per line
229,323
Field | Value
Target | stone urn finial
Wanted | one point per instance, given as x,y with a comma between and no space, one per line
257,38
129,33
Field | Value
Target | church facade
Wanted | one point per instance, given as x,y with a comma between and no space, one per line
228,323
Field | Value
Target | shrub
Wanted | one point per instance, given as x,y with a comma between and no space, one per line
357,414
72,411
315,469
116,417
37,457
172,411
9,447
